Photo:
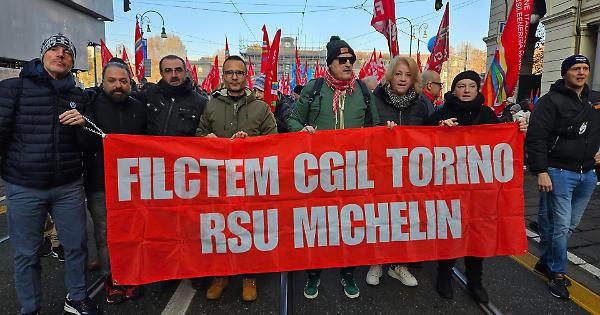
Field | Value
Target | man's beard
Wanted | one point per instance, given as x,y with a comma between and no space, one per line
119,97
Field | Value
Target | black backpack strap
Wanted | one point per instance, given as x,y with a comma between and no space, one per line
367,97
314,93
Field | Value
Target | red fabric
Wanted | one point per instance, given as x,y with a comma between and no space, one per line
105,53
159,221
305,73
287,90
125,58
195,74
384,21
380,68
513,41
226,48
297,74
317,73
264,57
369,68
188,66
439,52
213,79
250,74
270,96
419,62
139,53
430,96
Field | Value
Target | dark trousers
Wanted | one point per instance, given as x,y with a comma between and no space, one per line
317,272
474,268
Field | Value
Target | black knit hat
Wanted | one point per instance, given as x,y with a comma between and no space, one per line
469,74
336,47
571,61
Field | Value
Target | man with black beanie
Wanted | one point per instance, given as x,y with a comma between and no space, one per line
562,147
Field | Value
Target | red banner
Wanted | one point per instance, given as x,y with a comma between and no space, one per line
139,53
513,40
192,207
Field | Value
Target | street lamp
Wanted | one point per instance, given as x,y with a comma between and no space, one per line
411,34
163,33
419,34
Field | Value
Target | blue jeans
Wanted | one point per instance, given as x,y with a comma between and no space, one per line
27,209
560,212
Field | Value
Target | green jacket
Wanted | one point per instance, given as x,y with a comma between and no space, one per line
224,117
321,116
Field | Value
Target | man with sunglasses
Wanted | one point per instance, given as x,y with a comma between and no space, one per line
431,87
174,106
337,101
235,112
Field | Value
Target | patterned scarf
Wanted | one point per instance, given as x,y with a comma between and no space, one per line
339,87
401,102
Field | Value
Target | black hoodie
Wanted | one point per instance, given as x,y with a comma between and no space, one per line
37,150
546,146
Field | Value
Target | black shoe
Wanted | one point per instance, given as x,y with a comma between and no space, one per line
543,270
558,286
478,292
46,249
533,225
444,287
58,252
83,307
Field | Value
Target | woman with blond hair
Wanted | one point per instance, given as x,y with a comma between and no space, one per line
397,101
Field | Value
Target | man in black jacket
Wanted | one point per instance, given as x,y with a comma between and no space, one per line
113,111
41,164
562,147
174,107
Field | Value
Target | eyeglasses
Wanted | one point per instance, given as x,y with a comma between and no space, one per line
438,83
343,60
169,70
230,73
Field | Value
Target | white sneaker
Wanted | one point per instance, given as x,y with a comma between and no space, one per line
374,274
401,273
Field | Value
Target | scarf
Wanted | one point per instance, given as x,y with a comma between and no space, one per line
401,102
339,87
174,91
457,105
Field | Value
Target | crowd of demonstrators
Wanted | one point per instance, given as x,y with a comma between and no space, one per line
235,112
398,103
563,145
336,101
284,104
112,110
40,117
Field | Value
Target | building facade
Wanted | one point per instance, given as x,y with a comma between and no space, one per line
572,26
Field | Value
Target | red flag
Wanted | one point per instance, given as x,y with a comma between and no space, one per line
271,73
264,57
195,74
188,66
139,53
512,42
380,68
317,70
439,53
105,53
226,48
369,68
125,58
305,72
287,90
212,80
281,83
297,74
384,21
250,74
419,62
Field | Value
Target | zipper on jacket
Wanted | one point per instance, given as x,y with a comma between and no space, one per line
55,130
168,116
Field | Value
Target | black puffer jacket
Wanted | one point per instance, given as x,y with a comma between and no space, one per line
128,117
547,147
173,111
413,115
38,151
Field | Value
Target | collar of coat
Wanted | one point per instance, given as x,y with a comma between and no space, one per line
222,95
